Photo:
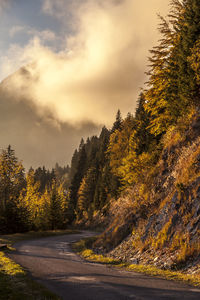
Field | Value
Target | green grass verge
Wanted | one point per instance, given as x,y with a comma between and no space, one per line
15,283
83,249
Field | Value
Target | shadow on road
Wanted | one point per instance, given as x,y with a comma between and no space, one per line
100,289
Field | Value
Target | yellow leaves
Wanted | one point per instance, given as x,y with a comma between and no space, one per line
186,170
194,60
134,168
118,147
86,193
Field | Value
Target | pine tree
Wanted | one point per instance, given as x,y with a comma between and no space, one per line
32,201
189,32
78,176
86,194
141,138
55,208
118,146
194,61
156,98
172,83
12,182
118,121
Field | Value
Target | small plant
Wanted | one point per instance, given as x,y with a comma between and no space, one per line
163,236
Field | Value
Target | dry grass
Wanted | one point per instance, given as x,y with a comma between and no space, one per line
81,249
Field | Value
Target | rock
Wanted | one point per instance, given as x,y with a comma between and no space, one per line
156,258
134,261
3,246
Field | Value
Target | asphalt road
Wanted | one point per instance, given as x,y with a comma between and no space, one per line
52,262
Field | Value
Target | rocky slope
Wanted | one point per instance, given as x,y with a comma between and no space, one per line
158,221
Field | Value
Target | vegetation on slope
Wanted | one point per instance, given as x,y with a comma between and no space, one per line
149,173
83,248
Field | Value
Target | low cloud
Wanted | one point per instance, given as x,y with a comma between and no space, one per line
54,8
15,30
44,35
4,4
101,67
38,140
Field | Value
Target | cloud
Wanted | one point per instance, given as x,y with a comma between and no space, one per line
57,8
4,4
15,30
12,61
100,69
36,139
44,35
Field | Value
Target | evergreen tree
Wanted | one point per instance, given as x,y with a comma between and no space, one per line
75,183
74,164
172,82
189,32
156,97
118,146
86,194
32,201
55,208
12,181
118,121
141,140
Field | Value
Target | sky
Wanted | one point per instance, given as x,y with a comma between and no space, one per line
82,61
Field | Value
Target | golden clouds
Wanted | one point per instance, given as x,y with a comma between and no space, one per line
101,67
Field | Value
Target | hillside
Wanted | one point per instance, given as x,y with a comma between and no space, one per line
141,179
162,225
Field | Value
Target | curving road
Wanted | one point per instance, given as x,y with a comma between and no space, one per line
52,262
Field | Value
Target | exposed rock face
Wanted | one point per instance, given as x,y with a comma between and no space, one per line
165,230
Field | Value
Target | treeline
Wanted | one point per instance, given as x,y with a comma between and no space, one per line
37,200
127,154
104,166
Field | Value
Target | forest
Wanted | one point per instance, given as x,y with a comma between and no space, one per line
126,159
36,200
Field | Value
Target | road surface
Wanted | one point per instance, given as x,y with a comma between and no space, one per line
52,263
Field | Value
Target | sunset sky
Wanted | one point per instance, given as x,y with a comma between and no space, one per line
84,60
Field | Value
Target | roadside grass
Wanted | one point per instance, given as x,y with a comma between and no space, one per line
82,248
15,283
